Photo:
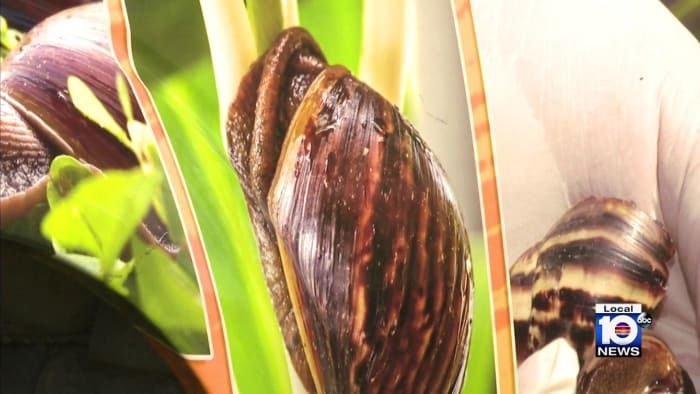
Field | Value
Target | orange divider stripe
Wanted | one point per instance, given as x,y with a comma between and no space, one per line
481,129
505,365
477,99
214,373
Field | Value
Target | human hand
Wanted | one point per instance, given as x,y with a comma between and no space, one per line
594,98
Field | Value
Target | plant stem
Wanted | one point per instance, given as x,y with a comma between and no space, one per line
266,18
290,13
388,41
232,48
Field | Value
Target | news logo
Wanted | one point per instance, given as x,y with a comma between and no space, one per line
618,329
645,320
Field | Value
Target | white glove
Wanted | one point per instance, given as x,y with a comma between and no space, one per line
593,97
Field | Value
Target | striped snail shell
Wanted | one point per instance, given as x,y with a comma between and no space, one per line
603,250
361,239
39,120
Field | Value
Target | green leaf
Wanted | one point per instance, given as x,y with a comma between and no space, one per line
98,215
481,370
337,26
9,38
141,137
173,60
88,264
163,201
144,145
114,279
92,219
124,98
169,297
65,172
90,106
411,106
266,20
372,39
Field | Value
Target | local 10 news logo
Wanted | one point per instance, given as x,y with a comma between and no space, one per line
618,329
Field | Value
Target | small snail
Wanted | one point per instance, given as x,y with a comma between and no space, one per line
39,120
364,249
603,250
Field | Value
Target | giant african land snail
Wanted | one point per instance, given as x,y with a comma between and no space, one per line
39,120
359,233
353,210
603,250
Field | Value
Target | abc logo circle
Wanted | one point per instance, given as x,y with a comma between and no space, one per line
620,330
644,320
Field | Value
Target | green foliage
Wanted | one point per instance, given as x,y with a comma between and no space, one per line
96,215
9,38
93,219
481,373
90,106
169,297
337,26
177,69
124,98
265,20
139,140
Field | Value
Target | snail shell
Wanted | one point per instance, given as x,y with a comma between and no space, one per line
24,14
34,78
24,163
39,120
357,211
258,119
603,250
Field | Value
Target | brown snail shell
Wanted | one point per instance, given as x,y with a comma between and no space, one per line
356,222
23,14
34,78
39,120
603,250
24,163
265,83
